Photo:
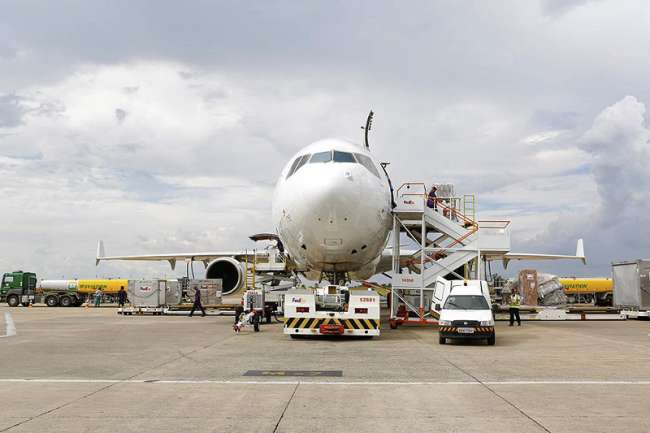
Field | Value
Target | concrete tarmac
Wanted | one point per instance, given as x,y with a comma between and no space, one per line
91,370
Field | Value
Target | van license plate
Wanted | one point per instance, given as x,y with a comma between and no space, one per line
465,330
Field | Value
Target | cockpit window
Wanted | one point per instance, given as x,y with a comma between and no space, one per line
302,162
367,162
321,157
343,156
293,166
299,162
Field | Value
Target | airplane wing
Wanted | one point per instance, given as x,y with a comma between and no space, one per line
580,255
385,263
204,257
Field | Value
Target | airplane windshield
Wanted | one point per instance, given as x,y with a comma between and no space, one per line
299,162
343,157
302,162
321,157
367,162
293,166
466,302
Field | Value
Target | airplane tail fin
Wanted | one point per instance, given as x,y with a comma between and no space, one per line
101,253
580,251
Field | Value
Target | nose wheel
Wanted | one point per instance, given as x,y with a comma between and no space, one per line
335,277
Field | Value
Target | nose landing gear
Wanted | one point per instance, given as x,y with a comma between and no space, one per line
335,277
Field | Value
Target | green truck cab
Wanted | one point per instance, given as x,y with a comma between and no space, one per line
18,288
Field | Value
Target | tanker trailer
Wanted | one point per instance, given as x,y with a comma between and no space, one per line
67,293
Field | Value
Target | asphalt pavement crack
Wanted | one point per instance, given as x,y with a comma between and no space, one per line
505,400
286,407
487,387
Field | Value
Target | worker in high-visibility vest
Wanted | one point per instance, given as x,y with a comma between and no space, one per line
515,302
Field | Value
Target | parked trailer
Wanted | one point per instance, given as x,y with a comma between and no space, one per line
66,293
333,310
632,287
22,288
588,290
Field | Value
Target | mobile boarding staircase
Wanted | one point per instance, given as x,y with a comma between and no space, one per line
447,237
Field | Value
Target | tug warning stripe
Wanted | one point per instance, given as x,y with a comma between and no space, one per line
477,329
307,323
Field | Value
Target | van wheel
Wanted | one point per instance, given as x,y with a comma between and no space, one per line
65,301
12,301
491,340
442,340
51,301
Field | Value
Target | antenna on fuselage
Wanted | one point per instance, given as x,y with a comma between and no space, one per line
367,128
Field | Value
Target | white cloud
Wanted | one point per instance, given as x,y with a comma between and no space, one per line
613,214
158,140
542,137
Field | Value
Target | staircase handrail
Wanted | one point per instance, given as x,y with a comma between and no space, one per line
409,184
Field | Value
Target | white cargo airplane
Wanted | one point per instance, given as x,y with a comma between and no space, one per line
332,212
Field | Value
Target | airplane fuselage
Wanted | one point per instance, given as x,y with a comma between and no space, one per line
332,209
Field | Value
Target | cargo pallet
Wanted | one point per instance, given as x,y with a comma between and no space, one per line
167,311
141,311
541,313
635,314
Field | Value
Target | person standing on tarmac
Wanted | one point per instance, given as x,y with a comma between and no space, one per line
515,302
197,303
121,297
98,297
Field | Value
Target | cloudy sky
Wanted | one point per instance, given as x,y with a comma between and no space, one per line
159,127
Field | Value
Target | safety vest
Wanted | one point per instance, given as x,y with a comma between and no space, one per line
515,301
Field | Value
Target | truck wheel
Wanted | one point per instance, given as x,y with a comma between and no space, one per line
51,301
491,340
12,301
65,301
442,340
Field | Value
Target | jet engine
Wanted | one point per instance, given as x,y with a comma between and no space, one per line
229,271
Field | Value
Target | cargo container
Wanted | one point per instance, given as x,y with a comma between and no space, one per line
632,285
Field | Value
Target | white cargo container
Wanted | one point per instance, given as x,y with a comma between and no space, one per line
632,287
149,293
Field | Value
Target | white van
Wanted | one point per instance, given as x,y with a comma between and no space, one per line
466,312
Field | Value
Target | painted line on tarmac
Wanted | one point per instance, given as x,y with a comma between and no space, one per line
329,383
10,326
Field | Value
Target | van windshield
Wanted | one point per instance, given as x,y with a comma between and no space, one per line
466,302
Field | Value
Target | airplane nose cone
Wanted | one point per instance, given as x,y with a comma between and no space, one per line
332,216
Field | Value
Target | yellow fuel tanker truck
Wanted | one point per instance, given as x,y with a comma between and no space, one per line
68,293
598,291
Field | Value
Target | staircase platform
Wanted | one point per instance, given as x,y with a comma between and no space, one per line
448,238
